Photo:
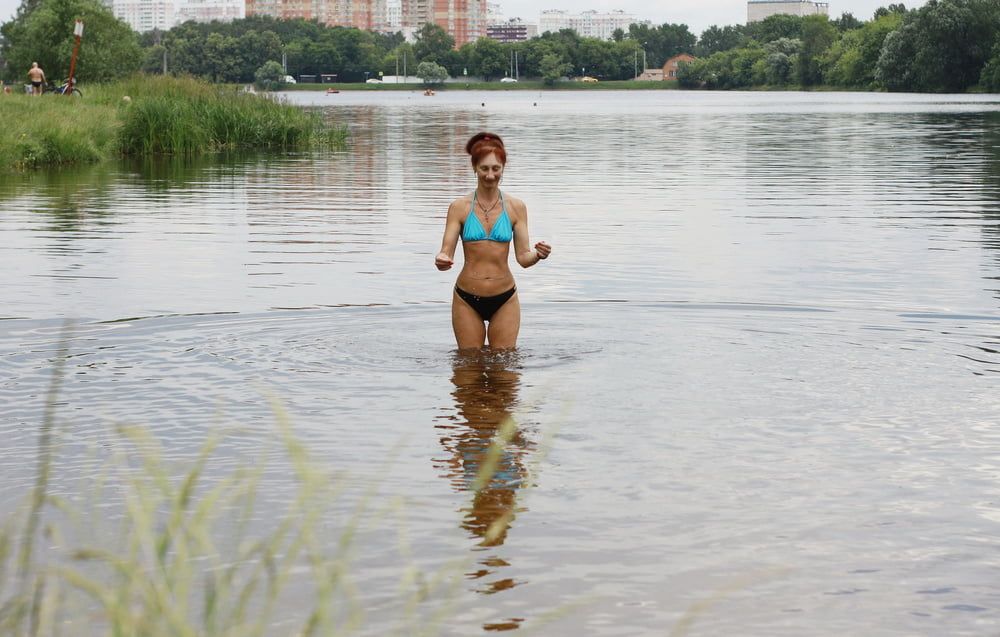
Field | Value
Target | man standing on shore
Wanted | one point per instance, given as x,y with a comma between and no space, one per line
37,76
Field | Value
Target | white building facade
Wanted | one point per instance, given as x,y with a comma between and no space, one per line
757,10
589,24
146,15
394,15
209,10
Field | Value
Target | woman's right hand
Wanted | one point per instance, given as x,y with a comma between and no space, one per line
443,262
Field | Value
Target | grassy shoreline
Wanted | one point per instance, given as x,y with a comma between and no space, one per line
148,116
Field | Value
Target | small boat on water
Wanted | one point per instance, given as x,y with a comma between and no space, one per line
428,92
331,91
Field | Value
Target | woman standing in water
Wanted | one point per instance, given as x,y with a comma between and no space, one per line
487,221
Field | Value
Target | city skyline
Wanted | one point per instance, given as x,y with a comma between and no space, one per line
697,14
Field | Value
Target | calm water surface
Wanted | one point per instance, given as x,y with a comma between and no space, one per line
757,388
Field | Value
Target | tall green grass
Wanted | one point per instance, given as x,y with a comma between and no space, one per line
162,116
54,131
184,116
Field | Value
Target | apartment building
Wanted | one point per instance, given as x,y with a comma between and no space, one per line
757,10
145,15
209,10
371,15
464,20
393,16
590,24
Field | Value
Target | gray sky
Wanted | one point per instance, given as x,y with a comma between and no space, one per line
697,14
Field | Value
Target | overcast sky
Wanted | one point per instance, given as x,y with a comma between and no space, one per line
697,14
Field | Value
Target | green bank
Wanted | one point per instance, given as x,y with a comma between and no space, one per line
145,116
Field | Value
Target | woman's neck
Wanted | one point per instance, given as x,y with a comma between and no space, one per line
490,193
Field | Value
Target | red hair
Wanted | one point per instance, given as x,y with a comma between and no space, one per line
482,144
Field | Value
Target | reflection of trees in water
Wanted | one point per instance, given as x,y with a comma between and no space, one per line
69,197
991,213
77,197
991,226
159,174
486,392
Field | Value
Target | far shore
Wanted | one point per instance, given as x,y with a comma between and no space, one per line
522,85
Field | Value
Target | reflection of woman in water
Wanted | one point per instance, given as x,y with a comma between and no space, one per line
487,221
486,389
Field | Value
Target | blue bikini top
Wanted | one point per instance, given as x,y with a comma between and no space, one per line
502,231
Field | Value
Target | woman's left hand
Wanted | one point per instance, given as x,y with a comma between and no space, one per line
543,250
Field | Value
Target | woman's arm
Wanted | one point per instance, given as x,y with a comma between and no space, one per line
452,227
526,255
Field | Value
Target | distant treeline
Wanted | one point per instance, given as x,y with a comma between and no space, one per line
946,45
232,52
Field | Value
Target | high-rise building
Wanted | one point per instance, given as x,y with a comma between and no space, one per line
589,24
464,20
209,10
494,13
145,15
393,15
370,15
757,10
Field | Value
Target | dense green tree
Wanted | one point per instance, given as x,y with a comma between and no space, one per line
597,57
432,72
663,42
990,77
847,22
270,76
255,48
881,12
433,43
153,58
307,57
42,32
715,39
730,69
818,35
895,70
222,58
533,51
943,46
781,56
552,68
852,60
774,28
487,59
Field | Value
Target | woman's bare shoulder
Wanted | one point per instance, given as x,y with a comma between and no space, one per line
514,204
465,201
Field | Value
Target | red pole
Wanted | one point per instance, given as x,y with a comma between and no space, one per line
77,33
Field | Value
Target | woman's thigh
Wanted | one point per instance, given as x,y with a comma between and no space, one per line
470,331
505,325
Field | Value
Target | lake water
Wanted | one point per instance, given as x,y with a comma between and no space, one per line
758,384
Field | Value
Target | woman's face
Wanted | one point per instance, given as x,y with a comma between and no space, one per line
489,170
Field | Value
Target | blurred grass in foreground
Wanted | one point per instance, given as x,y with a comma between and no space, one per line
185,558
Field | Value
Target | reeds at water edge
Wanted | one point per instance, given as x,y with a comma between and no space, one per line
161,116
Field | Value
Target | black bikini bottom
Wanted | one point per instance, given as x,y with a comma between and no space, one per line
485,306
